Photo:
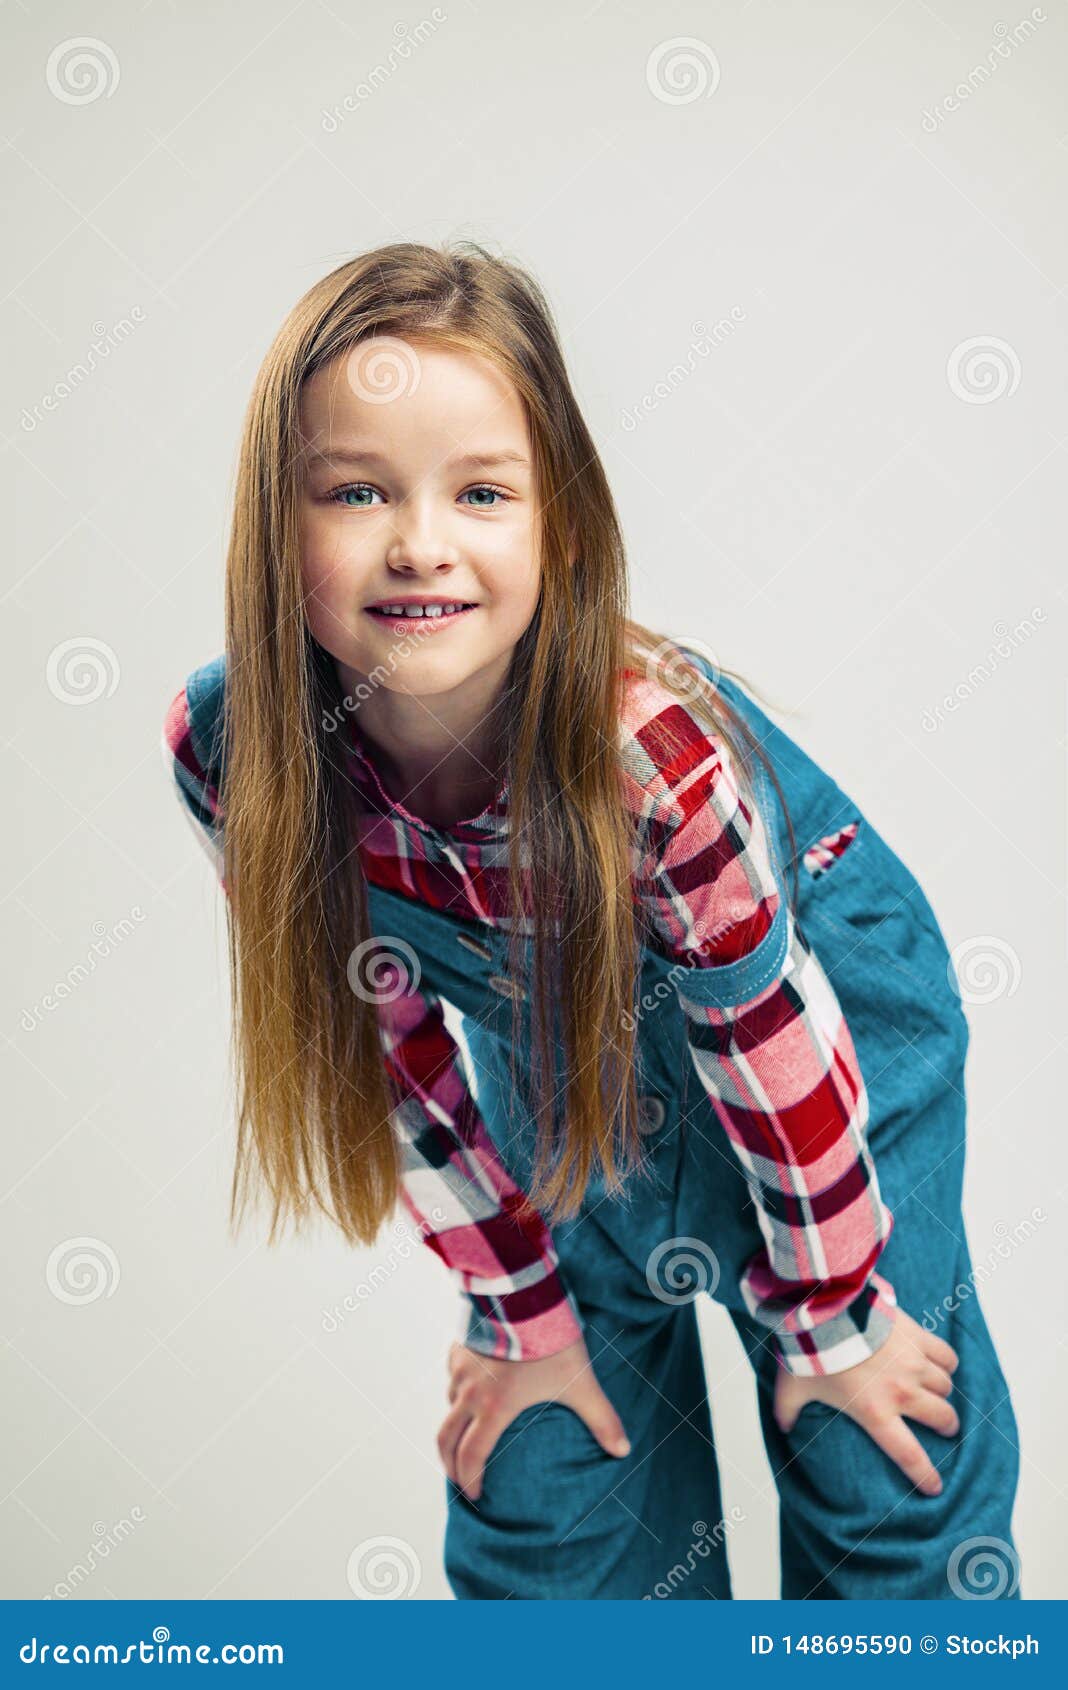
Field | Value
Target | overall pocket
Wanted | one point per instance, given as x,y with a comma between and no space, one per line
876,936
853,882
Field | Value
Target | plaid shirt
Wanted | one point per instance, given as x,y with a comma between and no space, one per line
779,1070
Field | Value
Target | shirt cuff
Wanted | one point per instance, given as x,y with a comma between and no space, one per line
844,1341
484,1329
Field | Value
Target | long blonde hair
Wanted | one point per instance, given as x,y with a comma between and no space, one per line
315,1096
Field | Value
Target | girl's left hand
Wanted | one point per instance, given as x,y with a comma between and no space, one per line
908,1374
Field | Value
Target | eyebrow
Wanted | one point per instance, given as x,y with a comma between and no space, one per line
467,460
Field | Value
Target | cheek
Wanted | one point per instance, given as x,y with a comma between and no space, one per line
329,570
330,590
524,593
515,580
322,582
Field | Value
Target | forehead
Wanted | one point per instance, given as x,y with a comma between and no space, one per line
387,394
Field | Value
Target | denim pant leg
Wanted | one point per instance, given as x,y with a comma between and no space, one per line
558,1517
851,1525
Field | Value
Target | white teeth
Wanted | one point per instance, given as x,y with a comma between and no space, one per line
419,609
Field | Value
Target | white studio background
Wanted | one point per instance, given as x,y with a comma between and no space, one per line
808,264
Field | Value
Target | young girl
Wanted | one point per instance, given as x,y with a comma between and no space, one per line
702,1000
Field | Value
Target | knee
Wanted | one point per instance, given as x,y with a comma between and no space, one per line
541,1527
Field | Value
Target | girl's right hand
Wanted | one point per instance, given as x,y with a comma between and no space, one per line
487,1394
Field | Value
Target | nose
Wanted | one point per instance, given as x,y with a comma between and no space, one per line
417,545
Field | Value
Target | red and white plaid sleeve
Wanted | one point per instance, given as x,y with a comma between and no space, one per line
468,1209
194,785
779,1069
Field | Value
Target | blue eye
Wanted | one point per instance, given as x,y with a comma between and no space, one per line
340,495
498,493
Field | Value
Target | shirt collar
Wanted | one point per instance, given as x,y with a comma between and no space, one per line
490,822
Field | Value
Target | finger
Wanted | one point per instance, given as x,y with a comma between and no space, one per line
939,1351
596,1411
933,1411
452,1429
476,1444
935,1379
790,1398
906,1451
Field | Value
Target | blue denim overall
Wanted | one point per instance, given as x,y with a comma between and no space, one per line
558,1517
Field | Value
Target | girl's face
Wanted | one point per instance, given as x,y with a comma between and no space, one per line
417,486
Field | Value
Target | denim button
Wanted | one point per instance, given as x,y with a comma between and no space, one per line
651,1113
475,945
507,988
